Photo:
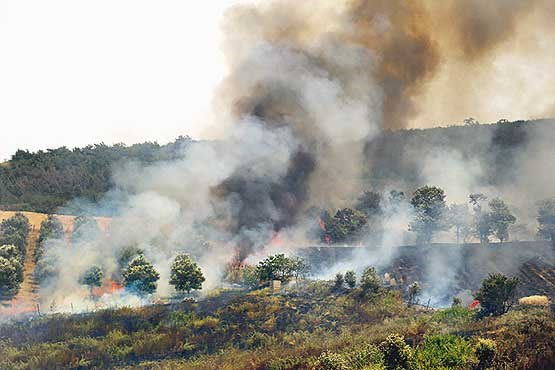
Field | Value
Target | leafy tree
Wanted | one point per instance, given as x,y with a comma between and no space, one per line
299,268
482,223
9,277
276,267
186,275
496,295
125,255
140,275
92,277
11,253
370,283
459,217
351,279
14,231
500,218
338,282
397,354
429,207
345,225
546,219
51,228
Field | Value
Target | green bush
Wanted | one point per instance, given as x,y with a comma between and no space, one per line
331,361
445,352
397,354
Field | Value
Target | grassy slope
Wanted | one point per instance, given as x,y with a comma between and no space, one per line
260,330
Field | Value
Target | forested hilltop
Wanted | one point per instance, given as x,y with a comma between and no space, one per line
46,180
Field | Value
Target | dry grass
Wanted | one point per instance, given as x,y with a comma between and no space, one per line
534,300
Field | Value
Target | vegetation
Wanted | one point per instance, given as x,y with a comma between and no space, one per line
280,267
429,206
51,228
186,275
92,278
500,218
14,231
46,180
345,225
497,294
140,276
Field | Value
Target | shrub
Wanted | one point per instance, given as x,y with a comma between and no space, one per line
338,282
331,361
370,283
445,352
368,357
397,354
350,279
496,294
485,352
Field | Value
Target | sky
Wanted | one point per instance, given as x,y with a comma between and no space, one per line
75,72
78,72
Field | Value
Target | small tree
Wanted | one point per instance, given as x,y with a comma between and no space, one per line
140,276
482,224
276,267
51,228
299,268
546,219
397,354
338,282
346,225
496,295
186,275
501,218
9,278
11,253
370,283
429,207
351,279
92,277
413,292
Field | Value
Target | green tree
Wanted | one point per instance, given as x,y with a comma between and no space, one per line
14,231
11,253
338,282
346,225
496,296
92,277
9,277
500,218
351,279
546,219
397,354
299,268
429,208
276,267
370,283
186,275
140,276
51,228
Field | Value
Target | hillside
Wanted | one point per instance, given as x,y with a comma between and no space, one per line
46,180
310,327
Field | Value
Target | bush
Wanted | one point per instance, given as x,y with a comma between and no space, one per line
338,282
397,354
370,283
496,294
331,361
369,357
351,279
445,352
485,352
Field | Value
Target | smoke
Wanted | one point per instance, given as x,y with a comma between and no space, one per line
309,85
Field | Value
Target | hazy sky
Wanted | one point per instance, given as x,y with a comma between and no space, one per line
77,72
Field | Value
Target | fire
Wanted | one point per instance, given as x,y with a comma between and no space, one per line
323,227
109,287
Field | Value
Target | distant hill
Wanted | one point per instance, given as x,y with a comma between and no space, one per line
46,180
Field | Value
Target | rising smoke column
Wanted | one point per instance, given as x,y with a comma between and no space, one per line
334,74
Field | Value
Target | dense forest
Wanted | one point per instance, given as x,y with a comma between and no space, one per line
46,180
